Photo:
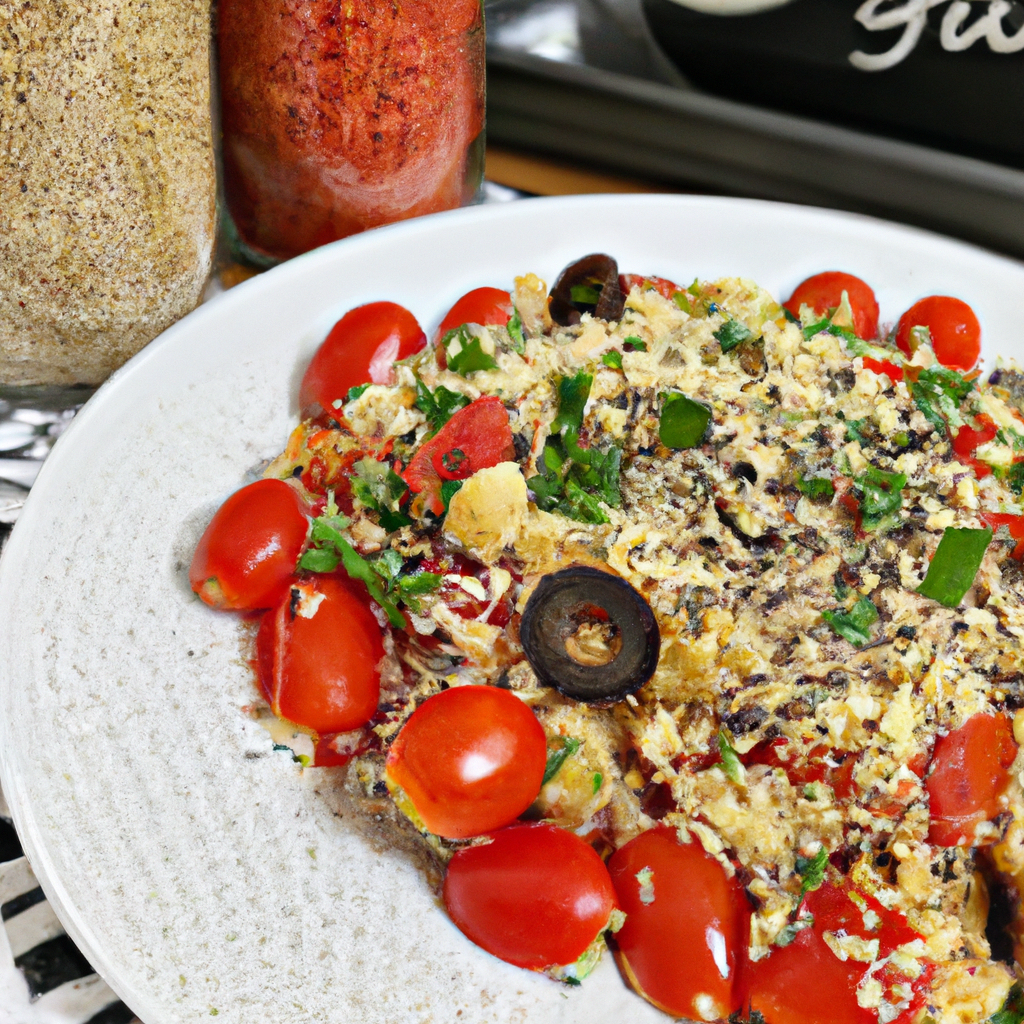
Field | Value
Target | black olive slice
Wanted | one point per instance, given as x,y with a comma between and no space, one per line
590,285
590,635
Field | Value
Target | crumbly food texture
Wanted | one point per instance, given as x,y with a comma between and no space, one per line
107,181
738,562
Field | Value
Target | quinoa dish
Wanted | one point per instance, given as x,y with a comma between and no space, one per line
669,620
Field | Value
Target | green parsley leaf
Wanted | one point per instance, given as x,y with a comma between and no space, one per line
470,357
556,758
733,333
790,316
816,487
449,488
955,564
1014,477
881,495
731,763
515,332
939,393
684,423
634,344
1013,1009
613,359
812,870
438,405
855,430
573,393
853,625
354,393
598,779
378,487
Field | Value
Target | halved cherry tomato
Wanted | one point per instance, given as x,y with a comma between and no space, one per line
685,925
317,654
970,771
824,293
362,348
470,759
968,440
484,306
535,896
476,437
816,764
665,288
1013,523
954,329
246,557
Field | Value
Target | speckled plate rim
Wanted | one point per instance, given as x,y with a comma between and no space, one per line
427,263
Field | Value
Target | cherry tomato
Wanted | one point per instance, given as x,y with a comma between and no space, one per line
968,440
317,654
816,764
824,293
246,557
894,372
665,288
470,759
970,771
685,925
476,437
362,348
535,896
485,306
1013,523
954,329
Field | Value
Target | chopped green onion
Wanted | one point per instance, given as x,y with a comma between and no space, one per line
816,487
573,393
812,870
881,495
684,422
955,564
613,359
853,625
731,763
556,758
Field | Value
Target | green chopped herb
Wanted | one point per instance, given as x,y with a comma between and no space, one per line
694,288
855,431
354,393
515,332
470,357
812,870
853,625
939,393
792,930
573,393
790,316
881,494
585,294
449,488
635,344
377,486
1013,1009
598,779
683,302
569,979
613,359
438,405
816,487
902,439
731,763
1014,477
733,333
955,564
556,758
684,422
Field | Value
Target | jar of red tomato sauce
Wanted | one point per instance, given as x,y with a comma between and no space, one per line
342,115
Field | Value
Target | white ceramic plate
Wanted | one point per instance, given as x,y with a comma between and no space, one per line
202,873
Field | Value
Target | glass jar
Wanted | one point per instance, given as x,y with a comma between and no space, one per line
342,116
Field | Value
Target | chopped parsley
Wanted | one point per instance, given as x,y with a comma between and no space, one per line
1014,477
598,779
732,334
812,870
515,332
634,344
815,487
1013,1009
684,423
573,393
613,359
556,758
681,299
377,486
938,392
855,431
731,763
881,495
469,357
449,488
438,405
853,625
354,393
955,564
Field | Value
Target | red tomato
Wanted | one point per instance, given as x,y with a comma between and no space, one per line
968,440
894,372
685,925
816,764
955,331
1015,524
824,292
457,598
535,896
471,759
476,437
317,656
362,348
246,558
969,774
665,288
485,306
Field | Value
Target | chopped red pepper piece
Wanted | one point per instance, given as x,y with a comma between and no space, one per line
893,371
1014,523
665,288
968,440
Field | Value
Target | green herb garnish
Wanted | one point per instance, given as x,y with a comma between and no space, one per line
598,779
855,430
853,625
634,344
816,487
354,393
449,488
1013,1009
681,299
733,333
731,763
613,359
573,393
470,357
881,494
556,758
1014,477
812,870
377,486
684,422
938,393
792,930
438,405
515,332
955,564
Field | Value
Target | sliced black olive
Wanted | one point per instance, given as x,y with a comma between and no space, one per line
590,285
590,635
